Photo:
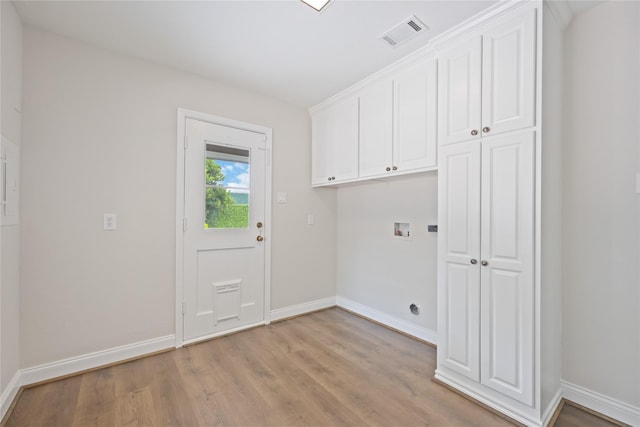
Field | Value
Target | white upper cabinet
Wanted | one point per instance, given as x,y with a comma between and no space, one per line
398,122
509,75
415,117
334,140
376,129
487,84
459,92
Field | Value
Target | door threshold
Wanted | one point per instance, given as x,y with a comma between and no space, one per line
221,334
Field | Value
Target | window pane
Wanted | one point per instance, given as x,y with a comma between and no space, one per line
227,187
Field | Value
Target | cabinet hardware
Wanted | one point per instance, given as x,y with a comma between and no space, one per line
484,263
259,238
388,169
474,261
474,132
395,168
486,129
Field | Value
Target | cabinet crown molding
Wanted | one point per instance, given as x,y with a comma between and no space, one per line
431,48
561,12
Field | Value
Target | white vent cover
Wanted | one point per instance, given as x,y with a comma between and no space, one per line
402,32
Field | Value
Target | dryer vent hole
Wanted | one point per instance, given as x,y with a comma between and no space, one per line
415,309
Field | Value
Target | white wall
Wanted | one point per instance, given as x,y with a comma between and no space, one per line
601,213
10,234
100,136
376,269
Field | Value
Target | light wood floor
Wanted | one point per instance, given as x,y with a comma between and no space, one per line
329,368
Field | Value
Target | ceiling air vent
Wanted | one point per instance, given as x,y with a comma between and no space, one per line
402,32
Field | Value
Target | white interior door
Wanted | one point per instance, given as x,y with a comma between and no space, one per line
224,211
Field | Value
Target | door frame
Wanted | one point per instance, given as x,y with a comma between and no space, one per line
183,115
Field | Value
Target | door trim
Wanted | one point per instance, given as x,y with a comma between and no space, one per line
183,115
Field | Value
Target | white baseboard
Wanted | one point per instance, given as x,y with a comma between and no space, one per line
307,307
600,403
85,362
389,320
553,406
9,394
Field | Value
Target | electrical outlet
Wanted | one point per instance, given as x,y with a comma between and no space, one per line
109,222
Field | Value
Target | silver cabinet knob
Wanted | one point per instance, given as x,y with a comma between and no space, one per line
388,169
486,129
474,132
395,168
329,179
474,261
484,263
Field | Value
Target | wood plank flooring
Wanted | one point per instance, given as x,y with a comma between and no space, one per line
329,368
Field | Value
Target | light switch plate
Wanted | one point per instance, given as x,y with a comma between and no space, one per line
109,222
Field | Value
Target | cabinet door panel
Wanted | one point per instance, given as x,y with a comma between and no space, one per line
459,90
320,136
458,245
508,75
376,129
507,295
343,157
415,110
335,143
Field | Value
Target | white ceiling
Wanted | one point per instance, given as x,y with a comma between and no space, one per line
283,49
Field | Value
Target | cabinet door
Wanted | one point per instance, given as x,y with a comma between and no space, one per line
507,297
459,91
376,130
458,258
334,140
415,117
508,75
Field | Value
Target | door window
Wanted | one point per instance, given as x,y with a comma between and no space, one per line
227,178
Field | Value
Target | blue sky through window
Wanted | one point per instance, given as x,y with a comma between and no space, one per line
236,174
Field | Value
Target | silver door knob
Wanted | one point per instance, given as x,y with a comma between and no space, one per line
484,263
474,132
474,261
486,129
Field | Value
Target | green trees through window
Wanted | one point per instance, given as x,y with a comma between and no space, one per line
224,207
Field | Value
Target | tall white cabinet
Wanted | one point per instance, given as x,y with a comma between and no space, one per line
493,343
486,194
481,93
